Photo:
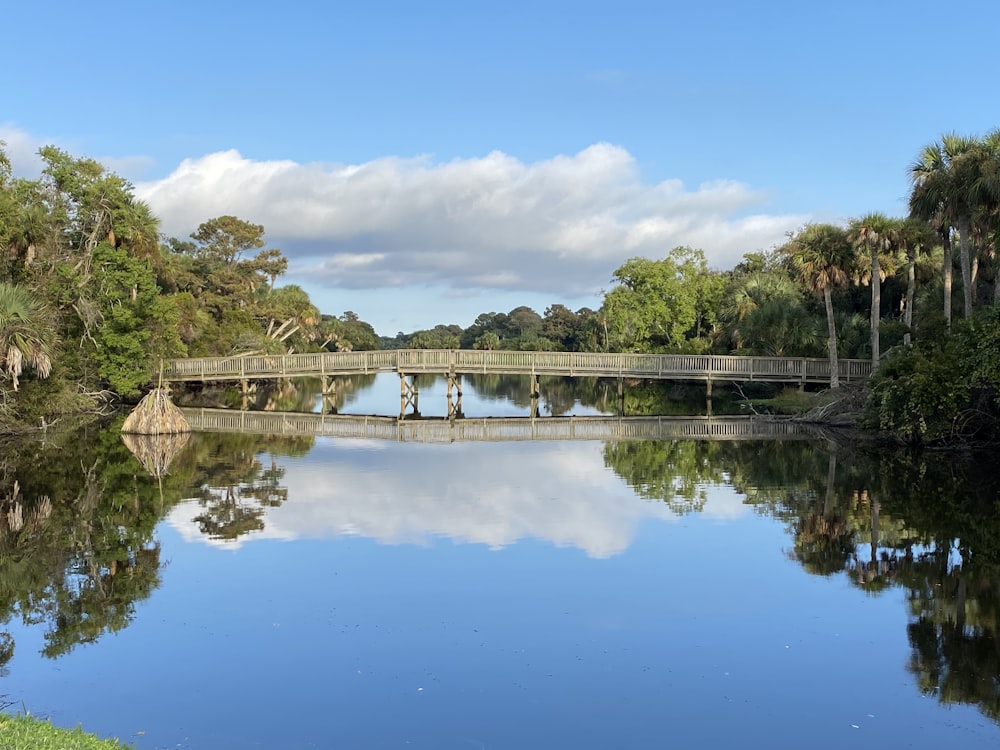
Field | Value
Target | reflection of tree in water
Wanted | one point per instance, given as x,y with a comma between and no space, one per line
293,394
928,524
77,521
561,395
952,577
236,509
641,397
77,549
235,486
953,635
675,472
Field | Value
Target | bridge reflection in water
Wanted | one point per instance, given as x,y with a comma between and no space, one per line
496,429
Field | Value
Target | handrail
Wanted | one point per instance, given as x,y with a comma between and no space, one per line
466,361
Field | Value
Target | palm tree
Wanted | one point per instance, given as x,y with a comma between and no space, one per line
915,236
877,236
26,337
986,194
943,178
134,225
749,293
824,258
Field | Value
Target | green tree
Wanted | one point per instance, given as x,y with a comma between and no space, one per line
876,236
943,177
488,341
660,305
139,326
915,237
781,327
755,280
225,239
492,322
986,194
27,338
439,337
824,259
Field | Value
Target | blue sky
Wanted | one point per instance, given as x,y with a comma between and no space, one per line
420,163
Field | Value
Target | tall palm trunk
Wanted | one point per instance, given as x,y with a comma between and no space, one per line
996,270
832,329
911,283
964,231
947,268
876,305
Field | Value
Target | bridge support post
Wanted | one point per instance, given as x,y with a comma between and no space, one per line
535,392
620,396
454,385
409,395
329,395
246,389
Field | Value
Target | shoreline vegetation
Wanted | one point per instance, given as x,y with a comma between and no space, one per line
93,296
24,732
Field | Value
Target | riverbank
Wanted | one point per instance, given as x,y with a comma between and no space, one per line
17,732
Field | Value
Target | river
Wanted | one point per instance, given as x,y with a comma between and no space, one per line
303,592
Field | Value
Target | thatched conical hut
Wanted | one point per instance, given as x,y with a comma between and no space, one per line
156,415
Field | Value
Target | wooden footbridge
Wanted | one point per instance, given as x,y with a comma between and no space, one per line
503,429
453,363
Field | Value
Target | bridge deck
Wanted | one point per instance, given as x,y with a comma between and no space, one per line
707,367
494,429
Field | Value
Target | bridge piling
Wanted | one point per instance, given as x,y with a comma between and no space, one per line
409,395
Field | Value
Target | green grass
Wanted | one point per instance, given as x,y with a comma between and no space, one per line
28,733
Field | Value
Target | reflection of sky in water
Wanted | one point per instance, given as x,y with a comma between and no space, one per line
512,595
468,492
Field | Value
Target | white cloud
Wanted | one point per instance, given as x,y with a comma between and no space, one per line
559,226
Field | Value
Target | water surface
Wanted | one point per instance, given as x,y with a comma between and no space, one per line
301,592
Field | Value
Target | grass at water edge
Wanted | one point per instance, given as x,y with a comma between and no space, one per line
22,732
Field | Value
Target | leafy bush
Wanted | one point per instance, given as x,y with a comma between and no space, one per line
946,388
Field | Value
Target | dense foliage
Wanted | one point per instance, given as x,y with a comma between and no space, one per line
92,297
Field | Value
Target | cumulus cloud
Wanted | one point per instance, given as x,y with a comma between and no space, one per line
559,225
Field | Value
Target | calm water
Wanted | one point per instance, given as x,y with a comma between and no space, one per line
287,593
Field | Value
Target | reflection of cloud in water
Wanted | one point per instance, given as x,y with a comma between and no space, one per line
472,492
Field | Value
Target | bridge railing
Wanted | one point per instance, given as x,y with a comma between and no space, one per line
410,361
